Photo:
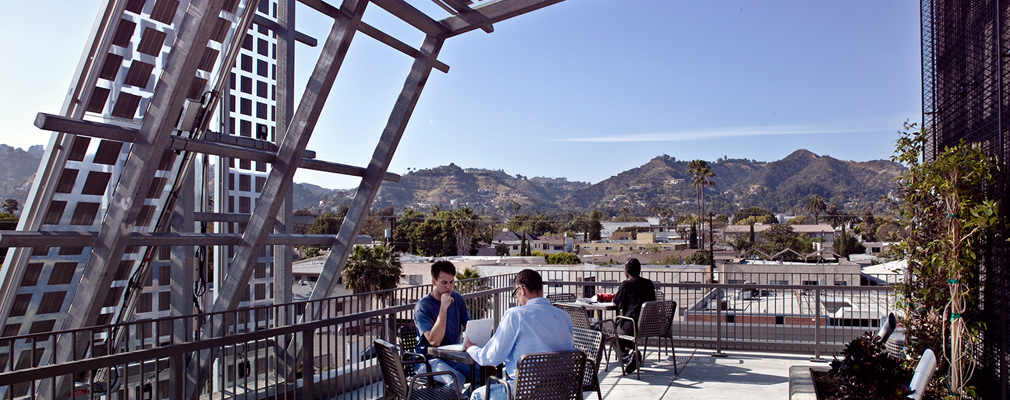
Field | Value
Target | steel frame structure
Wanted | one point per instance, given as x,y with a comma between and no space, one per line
105,213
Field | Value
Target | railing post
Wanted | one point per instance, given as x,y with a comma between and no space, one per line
177,388
817,327
718,323
308,365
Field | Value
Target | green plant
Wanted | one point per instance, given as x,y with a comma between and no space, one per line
501,249
371,269
867,371
563,258
950,220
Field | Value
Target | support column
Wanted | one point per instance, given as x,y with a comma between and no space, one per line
283,278
279,180
183,266
285,107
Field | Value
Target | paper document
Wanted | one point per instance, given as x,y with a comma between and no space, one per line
479,331
458,347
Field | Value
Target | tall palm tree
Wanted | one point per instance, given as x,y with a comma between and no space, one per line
463,223
702,178
816,205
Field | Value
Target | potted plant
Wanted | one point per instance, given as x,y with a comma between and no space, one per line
865,371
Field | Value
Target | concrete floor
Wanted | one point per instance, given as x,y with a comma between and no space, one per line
739,375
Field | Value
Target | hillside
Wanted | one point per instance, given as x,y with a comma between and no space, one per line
17,170
662,182
780,186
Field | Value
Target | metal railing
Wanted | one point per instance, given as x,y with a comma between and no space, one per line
261,357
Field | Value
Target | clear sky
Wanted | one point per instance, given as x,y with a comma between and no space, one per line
583,89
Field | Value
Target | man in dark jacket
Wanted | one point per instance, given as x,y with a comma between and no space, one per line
630,296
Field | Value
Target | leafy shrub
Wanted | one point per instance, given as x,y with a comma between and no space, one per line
867,372
563,258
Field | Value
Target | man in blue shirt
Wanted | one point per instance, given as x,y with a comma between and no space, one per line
535,326
440,317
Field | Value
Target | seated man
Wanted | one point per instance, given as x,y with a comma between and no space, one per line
440,317
535,326
629,298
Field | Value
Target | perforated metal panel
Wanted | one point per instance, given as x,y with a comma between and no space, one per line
965,96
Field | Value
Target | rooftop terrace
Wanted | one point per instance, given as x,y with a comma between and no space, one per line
262,356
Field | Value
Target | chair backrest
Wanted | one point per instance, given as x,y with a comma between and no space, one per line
591,343
580,319
561,297
408,337
656,318
887,325
923,372
555,375
394,381
408,342
660,296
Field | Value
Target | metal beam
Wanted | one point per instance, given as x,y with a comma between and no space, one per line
86,238
390,41
492,12
279,180
271,25
457,7
201,18
412,16
381,157
179,143
243,218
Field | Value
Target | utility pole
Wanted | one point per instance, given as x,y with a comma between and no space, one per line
711,248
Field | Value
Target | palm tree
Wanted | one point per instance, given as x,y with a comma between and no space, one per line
10,205
371,269
463,223
816,205
702,177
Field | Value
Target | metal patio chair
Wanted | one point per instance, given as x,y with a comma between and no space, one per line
580,319
561,297
591,343
407,336
397,386
555,375
655,321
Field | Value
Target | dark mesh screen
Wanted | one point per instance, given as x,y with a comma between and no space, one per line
965,49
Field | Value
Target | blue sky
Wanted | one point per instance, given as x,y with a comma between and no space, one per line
583,89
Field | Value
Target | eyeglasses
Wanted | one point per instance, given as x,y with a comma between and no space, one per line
515,293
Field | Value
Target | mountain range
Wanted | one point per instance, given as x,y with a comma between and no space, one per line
663,182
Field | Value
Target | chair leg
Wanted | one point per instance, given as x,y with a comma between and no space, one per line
674,351
638,371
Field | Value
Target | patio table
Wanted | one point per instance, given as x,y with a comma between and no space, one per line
455,352
597,307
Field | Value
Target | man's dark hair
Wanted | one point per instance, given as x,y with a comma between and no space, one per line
442,266
633,267
531,280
